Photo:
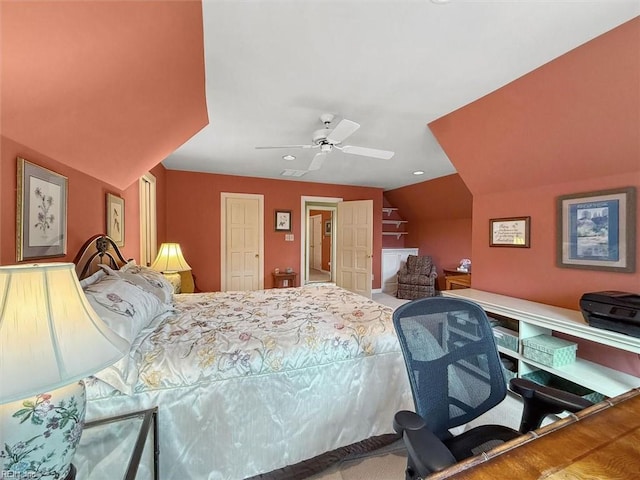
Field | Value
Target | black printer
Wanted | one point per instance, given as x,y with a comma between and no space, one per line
612,310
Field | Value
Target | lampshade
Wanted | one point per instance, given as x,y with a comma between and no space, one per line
49,334
170,259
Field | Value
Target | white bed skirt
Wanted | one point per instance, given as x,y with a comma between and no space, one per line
238,428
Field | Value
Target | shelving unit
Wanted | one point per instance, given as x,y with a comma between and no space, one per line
395,234
397,223
536,318
389,210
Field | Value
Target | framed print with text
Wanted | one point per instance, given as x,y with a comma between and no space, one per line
510,232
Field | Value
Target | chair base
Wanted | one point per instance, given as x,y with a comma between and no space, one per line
411,292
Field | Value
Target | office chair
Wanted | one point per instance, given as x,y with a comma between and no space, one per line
456,375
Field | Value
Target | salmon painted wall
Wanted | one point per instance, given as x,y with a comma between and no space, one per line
92,84
439,214
86,209
193,219
570,126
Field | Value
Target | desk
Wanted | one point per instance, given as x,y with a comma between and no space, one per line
602,442
284,280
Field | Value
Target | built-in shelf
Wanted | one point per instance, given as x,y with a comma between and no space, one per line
389,210
536,318
397,223
396,234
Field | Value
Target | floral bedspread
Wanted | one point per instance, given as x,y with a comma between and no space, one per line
222,335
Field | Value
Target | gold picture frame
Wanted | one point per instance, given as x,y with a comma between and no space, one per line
41,212
115,219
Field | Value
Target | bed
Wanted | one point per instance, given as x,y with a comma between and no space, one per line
245,382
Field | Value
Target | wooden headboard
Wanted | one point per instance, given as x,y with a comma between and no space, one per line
99,249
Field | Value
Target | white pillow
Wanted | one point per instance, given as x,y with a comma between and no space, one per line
91,279
149,280
123,306
129,311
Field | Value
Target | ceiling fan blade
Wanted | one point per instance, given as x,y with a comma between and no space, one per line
344,129
288,146
368,152
317,161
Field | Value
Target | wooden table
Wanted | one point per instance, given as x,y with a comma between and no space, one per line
454,278
284,280
600,442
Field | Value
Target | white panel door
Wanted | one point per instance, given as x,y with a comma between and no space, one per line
354,246
243,264
316,242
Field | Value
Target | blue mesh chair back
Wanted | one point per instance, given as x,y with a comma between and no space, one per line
452,361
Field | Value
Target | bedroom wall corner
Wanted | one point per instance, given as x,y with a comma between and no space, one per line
193,219
86,208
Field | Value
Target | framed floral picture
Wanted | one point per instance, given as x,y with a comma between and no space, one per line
41,212
597,230
115,219
283,221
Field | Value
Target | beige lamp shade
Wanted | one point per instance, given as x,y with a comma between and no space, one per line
170,259
49,334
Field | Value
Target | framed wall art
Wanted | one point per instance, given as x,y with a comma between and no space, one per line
510,232
327,227
41,213
283,221
115,219
596,230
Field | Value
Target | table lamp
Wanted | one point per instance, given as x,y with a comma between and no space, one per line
50,339
171,262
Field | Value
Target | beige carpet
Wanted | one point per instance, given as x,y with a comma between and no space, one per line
382,466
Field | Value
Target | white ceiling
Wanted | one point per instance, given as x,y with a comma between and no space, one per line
392,66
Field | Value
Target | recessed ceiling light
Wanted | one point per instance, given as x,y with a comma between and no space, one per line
439,1
288,157
418,172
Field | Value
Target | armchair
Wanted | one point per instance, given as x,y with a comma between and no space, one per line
417,277
456,375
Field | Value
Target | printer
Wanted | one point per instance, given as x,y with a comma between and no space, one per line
612,310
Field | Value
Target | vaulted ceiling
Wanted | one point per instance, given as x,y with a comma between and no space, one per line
114,87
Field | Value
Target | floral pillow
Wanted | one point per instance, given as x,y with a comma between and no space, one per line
128,310
148,279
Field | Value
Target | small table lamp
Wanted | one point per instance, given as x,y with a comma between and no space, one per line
171,262
50,339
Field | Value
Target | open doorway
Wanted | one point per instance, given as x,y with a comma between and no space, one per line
318,239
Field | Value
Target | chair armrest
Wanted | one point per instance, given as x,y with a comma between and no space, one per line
426,452
540,401
434,272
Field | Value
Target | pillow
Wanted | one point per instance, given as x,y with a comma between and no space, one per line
123,306
129,311
91,279
149,280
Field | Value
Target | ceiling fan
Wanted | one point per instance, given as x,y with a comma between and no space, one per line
327,138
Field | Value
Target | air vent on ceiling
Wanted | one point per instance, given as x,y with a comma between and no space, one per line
290,172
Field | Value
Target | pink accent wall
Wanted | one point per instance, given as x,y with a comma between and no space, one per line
193,219
107,88
86,210
570,126
439,216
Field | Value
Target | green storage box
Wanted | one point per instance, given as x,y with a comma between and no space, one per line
506,338
549,350
550,380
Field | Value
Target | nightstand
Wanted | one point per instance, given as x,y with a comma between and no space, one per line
124,447
284,280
